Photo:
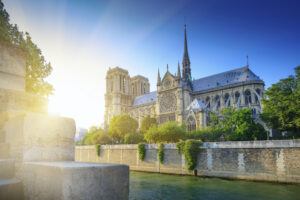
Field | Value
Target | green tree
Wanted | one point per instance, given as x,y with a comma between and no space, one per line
95,135
153,134
282,104
37,68
167,132
133,138
120,125
146,123
233,125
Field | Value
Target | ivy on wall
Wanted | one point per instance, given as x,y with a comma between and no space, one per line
141,151
190,149
161,153
98,146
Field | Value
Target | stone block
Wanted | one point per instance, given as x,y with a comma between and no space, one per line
7,168
4,150
75,180
39,137
11,189
12,67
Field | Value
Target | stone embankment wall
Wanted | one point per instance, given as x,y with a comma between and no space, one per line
255,160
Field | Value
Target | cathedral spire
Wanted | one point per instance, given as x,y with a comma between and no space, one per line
158,78
186,69
167,67
178,71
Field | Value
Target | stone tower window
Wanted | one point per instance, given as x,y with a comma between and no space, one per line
237,96
248,97
256,97
123,84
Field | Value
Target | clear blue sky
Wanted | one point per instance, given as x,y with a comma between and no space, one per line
83,38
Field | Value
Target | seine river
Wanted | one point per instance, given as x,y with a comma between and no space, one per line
153,186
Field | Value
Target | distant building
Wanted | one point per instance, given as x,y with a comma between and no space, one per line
178,97
80,133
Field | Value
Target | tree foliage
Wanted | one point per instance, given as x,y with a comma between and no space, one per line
207,134
167,132
161,153
190,149
121,125
146,123
237,125
141,150
95,136
37,68
133,138
282,105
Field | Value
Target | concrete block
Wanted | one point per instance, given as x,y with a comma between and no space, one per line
76,181
11,189
39,137
7,168
4,150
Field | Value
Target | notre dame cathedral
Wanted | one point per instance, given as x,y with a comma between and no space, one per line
178,97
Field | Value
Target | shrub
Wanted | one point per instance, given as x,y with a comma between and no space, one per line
190,149
98,146
133,138
153,135
95,136
120,125
180,146
146,123
167,132
205,135
161,152
141,150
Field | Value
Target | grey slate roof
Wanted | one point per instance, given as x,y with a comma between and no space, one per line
196,105
145,99
224,79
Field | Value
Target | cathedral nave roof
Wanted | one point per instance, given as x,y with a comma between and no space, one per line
145,99
231,77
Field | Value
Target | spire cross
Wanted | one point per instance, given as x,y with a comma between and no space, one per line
247,61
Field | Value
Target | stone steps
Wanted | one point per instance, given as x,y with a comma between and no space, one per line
11,189
4,150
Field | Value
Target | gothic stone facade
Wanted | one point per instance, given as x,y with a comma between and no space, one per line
178,97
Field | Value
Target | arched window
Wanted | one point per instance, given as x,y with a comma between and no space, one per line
217,101
207,102
112,86
237,96
256,97
123,84
226,99
191,124
247,97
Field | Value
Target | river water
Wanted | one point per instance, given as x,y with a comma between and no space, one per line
154,186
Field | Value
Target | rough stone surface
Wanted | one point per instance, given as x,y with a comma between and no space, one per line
12,67
7,168
75,181
38,137
11,189
251,160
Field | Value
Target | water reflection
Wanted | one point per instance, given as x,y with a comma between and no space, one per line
153,186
